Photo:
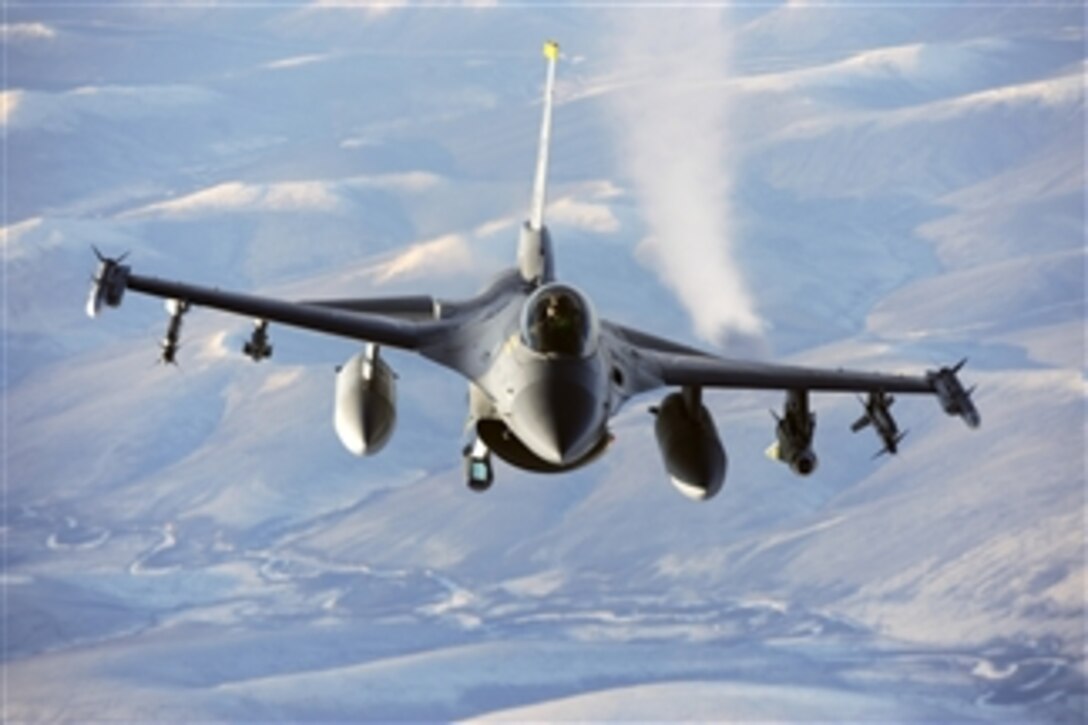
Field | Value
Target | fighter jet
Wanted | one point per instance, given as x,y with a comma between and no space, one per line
545,373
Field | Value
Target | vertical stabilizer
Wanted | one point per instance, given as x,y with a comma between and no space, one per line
540,182
534,246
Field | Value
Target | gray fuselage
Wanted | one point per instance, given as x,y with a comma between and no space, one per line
541,409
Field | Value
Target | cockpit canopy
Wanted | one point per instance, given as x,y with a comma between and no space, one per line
559,320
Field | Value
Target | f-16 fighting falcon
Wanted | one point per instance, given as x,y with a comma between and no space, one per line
545,374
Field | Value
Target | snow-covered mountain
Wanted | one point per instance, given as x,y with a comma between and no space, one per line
896,186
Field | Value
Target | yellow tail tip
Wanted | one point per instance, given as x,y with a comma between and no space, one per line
551,50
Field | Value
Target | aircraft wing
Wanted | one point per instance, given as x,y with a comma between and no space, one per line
674,368
655,362
398,322
421,308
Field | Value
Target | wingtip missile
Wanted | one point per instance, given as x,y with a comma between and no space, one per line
108,283
103,258
954,398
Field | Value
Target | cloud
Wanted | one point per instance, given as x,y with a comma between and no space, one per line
9,101
19,32
22,109
448,254
12,237
494,226
281,379
587,216
297,61
415,181
568,210
672,121
377,8
235,196
372,8
318,195
581,206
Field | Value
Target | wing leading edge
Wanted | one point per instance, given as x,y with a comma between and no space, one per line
688,370
409,330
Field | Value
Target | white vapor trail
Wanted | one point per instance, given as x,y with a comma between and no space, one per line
673,124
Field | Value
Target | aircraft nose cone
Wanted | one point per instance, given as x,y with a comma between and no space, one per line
557,420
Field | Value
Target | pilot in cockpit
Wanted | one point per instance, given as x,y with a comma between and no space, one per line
557,324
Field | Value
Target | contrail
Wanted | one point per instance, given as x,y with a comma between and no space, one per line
673,123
